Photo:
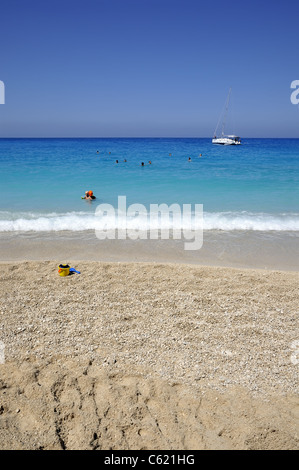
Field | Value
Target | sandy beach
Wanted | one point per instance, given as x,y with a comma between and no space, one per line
148,355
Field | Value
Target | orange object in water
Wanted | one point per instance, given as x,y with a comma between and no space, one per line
90,193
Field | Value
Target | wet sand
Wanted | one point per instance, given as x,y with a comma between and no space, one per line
255,250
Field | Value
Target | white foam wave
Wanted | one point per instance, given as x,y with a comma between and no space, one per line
251,221
80,221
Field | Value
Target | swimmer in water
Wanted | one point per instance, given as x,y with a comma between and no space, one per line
89,195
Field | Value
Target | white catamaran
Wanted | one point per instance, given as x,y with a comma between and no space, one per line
225,139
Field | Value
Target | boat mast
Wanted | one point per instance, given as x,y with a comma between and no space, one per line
223,115
226,110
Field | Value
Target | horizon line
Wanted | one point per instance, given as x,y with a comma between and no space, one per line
132,137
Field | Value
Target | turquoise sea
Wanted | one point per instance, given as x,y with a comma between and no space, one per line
254,186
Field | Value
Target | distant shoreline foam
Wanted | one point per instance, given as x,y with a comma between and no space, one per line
81,221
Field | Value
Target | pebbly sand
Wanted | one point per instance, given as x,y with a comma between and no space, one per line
132,356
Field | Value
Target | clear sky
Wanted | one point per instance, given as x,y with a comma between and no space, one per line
147,68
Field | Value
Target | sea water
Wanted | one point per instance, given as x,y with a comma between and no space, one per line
251,187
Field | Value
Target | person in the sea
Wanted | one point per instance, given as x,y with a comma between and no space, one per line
189,159
142,163
89,195
116,161
149,162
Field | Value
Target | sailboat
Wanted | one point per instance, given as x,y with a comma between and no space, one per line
225,139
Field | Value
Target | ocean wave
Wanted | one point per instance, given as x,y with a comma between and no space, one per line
80,221
229,221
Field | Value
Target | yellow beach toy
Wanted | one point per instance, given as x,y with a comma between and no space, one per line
63,270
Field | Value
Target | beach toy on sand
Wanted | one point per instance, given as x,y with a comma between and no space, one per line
73,270
63,270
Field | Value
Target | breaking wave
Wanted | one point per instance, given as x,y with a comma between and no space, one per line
81,221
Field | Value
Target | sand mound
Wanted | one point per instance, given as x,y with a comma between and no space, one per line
60,405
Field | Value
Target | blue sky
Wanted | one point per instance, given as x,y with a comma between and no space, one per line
147,68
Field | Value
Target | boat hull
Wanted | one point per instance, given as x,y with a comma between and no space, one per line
226,141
